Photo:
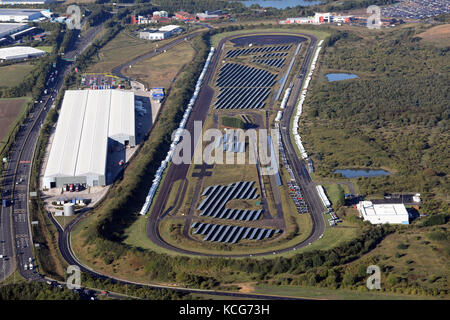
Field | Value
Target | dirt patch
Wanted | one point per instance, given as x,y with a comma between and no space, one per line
9,110
248,287
439,35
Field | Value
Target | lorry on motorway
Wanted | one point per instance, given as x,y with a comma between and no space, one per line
4,203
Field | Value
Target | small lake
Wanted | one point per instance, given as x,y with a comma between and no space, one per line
356,173
280,4
340,76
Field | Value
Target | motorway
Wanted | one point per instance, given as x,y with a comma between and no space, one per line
15,236
179,172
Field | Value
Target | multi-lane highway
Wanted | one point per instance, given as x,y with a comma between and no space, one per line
15,236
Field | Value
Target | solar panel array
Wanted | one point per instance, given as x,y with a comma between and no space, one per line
277,63
217,197
243,87
231,234
238,75
230,143
239,52
271,55
242,98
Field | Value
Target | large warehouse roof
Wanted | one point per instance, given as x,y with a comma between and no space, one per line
86,120
9,28
19,52
383,213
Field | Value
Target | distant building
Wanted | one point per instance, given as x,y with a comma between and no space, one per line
211,15
207,17
184,16
307,20
154,34
19,53
393,213
20,15
162,14
89,120
319,18
161,33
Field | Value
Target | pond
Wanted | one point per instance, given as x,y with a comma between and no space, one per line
280,4
340,76
356,173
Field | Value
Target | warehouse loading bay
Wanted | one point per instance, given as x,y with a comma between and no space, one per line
117,158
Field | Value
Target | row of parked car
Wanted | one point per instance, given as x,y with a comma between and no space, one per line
74,187
297,197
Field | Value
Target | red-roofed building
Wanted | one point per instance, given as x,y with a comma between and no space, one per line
185,16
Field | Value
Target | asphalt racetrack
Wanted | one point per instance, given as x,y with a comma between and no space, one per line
199,113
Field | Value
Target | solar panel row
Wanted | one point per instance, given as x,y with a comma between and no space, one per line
238,75
243,87
231,142
218,196
231,234
271,55
277,63
242,98
239,52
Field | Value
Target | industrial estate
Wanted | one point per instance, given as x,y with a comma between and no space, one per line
222,149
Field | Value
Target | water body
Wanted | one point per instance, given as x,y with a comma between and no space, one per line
280,4
340,76
356,173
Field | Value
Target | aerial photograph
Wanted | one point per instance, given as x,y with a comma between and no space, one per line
233,157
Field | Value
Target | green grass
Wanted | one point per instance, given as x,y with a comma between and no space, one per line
14,74
333,191
14,278
137,237
48,49
123,47
324,293
12,121
333,236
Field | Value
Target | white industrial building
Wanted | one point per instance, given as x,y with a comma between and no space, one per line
88,119
19,53
161,33
20,15
394,213
9,28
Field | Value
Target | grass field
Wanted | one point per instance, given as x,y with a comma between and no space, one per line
439,35
412,255
333,191
14,74
123,47
48,49
329,294
10,110
161,70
